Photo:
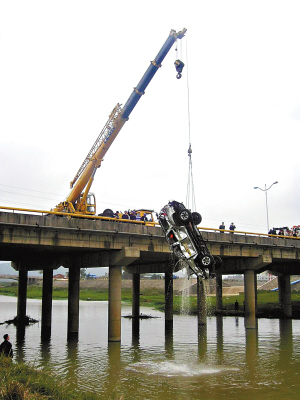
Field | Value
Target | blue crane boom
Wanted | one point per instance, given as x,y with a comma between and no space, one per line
80,200
149,74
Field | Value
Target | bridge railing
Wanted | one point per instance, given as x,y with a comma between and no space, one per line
147,223
217,230
74,215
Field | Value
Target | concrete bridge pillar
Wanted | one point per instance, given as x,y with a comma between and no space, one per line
116,261
73,301
135,295
249,283
22,295
114,303
255,288
47,302
169,297
219,290
284,291
201,302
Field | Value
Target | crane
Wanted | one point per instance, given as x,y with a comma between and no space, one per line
80,200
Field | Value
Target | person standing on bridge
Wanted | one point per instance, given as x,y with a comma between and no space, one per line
6,347
222,226
232,227
125,215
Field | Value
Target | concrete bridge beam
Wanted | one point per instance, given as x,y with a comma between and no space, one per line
238,265
124,257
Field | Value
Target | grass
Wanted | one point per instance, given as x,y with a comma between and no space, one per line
21,381
267,302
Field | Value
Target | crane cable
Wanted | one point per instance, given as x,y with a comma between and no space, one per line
190,193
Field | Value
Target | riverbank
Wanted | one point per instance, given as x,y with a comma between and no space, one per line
152,295
23,381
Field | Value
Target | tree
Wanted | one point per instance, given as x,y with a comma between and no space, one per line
82,273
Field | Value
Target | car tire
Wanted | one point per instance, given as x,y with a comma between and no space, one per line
184,216
207,261
196,218
108,213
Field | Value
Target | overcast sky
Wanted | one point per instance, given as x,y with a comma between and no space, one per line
66,64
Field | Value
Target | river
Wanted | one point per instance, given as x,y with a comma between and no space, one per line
221,360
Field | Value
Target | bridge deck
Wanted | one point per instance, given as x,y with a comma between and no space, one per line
37,240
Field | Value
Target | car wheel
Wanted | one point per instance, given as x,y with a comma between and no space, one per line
184,216
108,213
196,218
207,260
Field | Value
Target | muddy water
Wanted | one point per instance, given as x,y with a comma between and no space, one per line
221,360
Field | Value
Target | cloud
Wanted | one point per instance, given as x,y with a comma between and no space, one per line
296,114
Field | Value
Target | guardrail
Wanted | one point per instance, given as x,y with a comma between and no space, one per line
73,215
147,223
249,233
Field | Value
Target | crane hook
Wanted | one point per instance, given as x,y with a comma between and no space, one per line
179,67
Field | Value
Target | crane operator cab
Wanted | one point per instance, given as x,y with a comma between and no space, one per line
90,203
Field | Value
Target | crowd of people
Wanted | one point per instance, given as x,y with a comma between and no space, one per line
285,231
132,215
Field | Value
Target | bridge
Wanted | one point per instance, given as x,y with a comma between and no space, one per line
46,240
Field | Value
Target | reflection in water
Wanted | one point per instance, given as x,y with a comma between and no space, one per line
286,336
114,369
45,347
219,323
20,342
165,361
72,364
251,352
136,339
286,349
72,356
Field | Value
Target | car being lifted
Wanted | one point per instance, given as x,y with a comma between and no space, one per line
180,227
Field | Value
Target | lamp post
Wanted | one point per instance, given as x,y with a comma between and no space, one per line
266,191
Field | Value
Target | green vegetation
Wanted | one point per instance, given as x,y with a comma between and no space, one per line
22,381
267,302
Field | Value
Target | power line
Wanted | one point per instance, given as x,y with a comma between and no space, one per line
31,190
28,195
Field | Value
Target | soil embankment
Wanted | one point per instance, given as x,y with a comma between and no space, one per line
179,285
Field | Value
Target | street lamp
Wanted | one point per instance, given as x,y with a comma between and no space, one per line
266,190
